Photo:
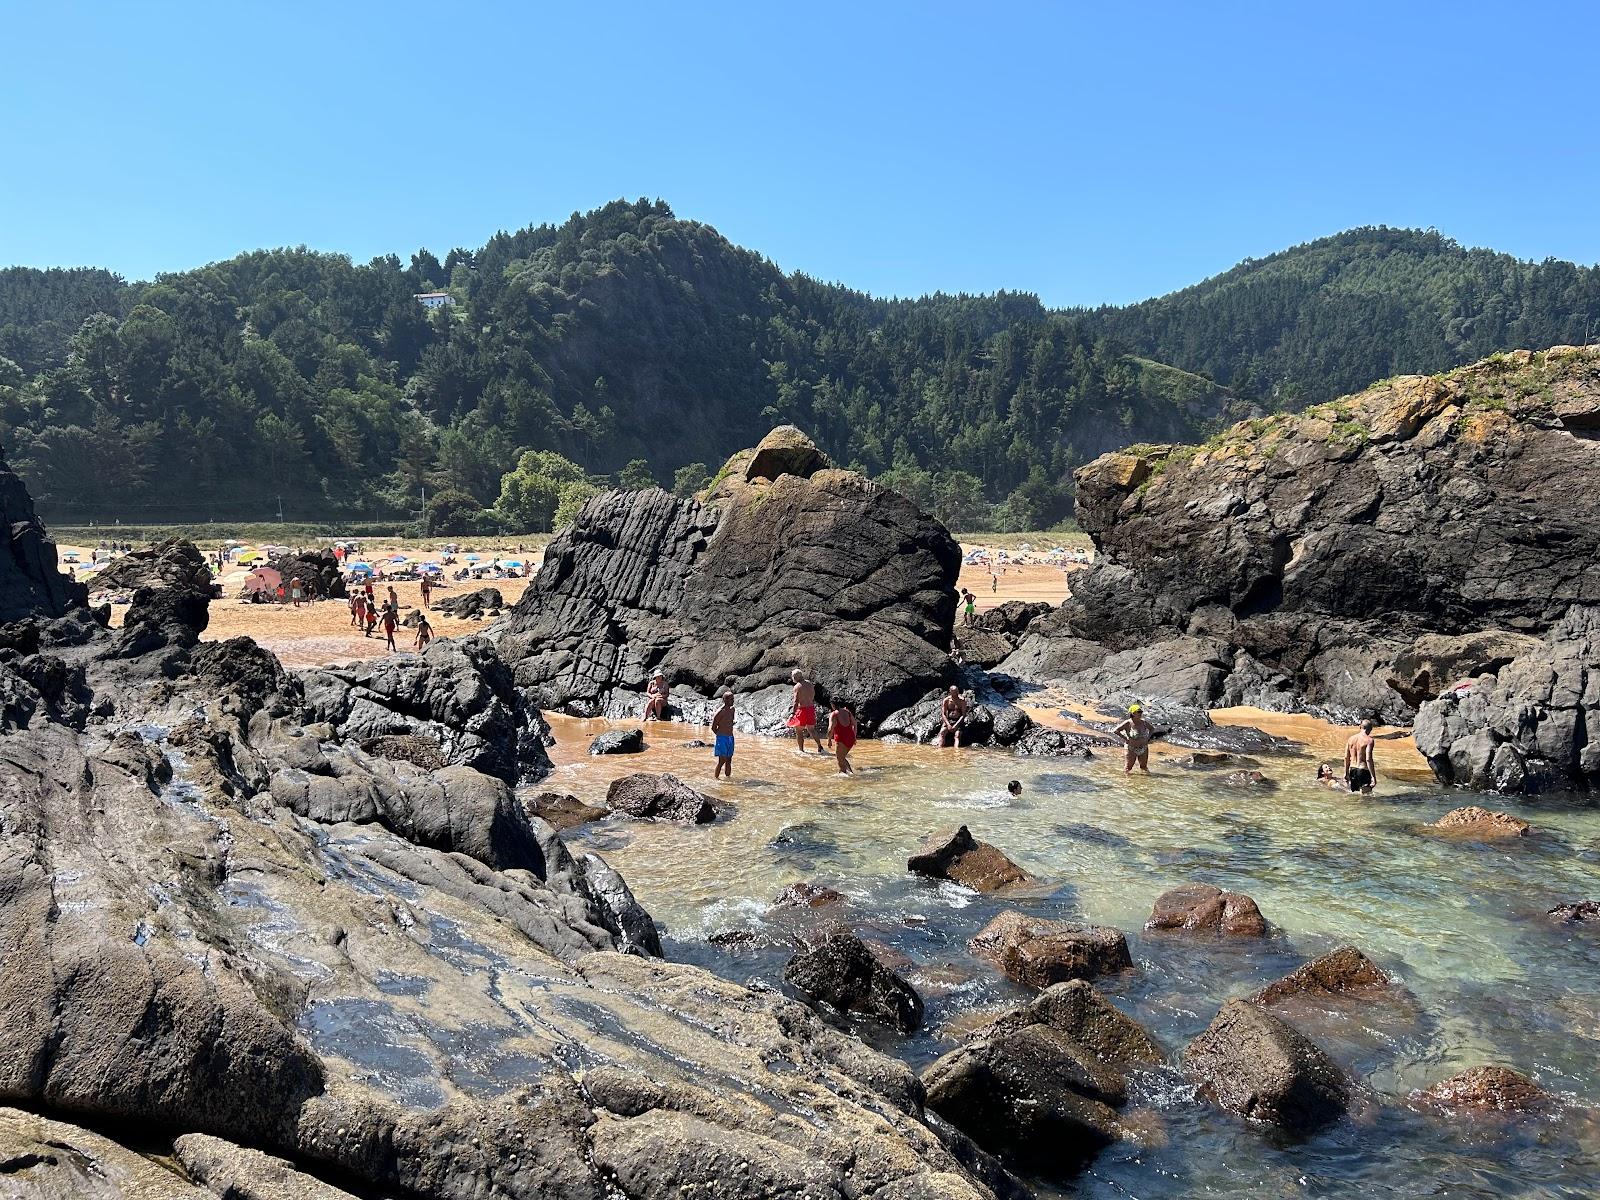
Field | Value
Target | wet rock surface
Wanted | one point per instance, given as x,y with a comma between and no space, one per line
838,968
1204,908
954,854
1480,823
1342,972
1576,911
651,797
1037,952
1487,1089
618,741
807,895
563,810
820,570
1253,1063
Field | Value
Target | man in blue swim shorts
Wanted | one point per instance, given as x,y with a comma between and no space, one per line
722,727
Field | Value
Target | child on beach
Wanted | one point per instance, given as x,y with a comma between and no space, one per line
842,733
722,732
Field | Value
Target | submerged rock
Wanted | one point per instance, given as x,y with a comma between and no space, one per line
651,797
839,969
854,585
1342,972
1257,1065
1481,823
807,895
1576,911
564,810
618,741
1487,1089
954,854
1037,952
1201,907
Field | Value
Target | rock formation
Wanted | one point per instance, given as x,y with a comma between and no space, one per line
1200,907
839,969
31,585
1351,559
472,606
1487,1089
618,741
294,930
807,567
1342,972
1259,1066
651,797
321,566
1479,823
954,854
1036,952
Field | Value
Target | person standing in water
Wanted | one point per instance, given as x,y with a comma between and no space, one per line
842,733
722,732
803,717
1360,771
1135,733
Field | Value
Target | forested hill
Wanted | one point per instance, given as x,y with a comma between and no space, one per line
1327,318
622,335
627,344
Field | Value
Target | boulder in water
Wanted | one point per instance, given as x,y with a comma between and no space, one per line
807,895
1576,911
839,969
1480,824
652,797
1077,1011
1487,1089
1202,908
1259,1066
618,741
564,810
954,854
1037,952
1345,972
1044,742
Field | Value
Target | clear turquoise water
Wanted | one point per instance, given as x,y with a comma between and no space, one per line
1487,977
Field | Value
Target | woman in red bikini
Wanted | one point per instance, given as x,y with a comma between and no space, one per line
842,733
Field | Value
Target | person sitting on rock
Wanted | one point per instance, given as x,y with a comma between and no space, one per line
1360,771
722,733
424,633
842,735
1135,733
952,718
803,712
655,702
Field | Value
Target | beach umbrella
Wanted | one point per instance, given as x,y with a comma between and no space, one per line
474,557
512,562
432,568
399,558
251,556
361,568
262,579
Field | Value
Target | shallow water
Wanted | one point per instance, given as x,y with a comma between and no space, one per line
1460,924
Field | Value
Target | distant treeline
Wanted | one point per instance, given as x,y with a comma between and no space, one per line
634,347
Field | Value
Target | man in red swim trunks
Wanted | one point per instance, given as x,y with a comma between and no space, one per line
842,733
803,719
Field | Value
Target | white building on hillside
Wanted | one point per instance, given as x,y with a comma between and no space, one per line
433,299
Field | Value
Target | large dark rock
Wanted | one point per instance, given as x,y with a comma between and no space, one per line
1037,952
1345,972
1259,1066
651,797
840,970
321,566
31,585
824,571
471,606
169,563
1082,1014
1315,560
954,854
618,741
1576,911
1529,727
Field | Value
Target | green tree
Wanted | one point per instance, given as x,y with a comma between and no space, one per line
690,480
635,477
530,493
573,497
453,514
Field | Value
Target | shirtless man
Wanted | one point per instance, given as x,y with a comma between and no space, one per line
722,731
1360,772
1135,733
424,635
803,718
952,718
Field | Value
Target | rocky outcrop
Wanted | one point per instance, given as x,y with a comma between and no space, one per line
42,1159
1487,1089
31,584
1527,728
1037,952
169,563
321,567
838,969
239,1173
807,895
1345,972
651,797
954,854
1576,911
820,570
1479,824
1203,908
996,632
1348,560
1257,1065
563,810
472,606
618,741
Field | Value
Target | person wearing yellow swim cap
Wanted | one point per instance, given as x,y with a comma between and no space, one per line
1135,733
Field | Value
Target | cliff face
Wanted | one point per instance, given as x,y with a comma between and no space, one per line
1359,556
30,583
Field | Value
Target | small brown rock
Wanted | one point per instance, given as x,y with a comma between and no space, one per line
564,810
1200,907
1342,972
1037,953
1576,910
954,854
1488,1089
806,895
1476,822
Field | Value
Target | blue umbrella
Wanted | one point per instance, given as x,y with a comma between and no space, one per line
360,569
512,562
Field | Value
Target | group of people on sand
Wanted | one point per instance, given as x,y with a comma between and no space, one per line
367,613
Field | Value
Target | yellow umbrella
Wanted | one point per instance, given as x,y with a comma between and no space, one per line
253,556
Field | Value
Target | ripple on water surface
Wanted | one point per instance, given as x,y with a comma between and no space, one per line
1485,977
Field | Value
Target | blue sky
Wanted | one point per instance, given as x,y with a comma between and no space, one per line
1087,152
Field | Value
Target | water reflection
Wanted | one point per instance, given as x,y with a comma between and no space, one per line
1486,978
